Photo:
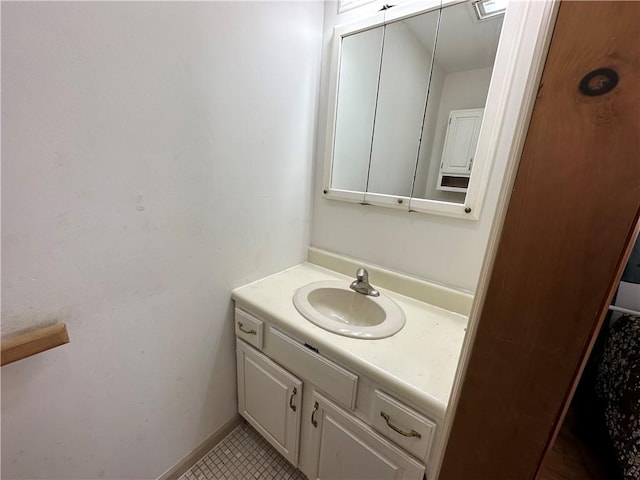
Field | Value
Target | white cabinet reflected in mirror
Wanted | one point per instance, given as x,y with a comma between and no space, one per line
459,148
460,77
410,87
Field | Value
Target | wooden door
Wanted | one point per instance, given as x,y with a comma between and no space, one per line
571,220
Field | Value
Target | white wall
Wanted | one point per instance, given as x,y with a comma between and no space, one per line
460,90
428,131
154,156
445,250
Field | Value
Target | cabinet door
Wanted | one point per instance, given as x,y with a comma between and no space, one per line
270,399
461,140
344,448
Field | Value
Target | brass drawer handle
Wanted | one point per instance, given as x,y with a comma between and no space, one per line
250,332
293,394
412,433
314,422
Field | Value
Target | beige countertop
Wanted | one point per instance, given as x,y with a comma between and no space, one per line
418,363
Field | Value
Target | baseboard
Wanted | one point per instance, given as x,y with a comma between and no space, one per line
187,462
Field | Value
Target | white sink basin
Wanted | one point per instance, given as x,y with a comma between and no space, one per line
332,305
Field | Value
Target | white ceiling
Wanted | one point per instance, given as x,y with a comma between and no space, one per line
464,43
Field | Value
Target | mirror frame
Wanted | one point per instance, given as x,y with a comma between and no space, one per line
506,105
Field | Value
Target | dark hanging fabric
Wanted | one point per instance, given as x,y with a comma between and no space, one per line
618,381
618,386
631,272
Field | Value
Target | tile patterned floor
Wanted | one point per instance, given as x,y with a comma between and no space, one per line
243,454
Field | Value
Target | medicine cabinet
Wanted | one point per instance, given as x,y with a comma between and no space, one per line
419,93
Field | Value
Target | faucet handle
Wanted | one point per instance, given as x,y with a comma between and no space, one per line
362,275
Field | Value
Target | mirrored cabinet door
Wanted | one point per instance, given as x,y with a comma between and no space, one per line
402,94
356,109
460,77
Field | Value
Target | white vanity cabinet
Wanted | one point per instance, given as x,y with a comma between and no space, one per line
269,398
344,447
323,417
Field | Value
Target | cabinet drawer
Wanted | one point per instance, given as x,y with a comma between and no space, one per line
402,425
249,328
329,377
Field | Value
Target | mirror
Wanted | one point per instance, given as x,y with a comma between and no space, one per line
409,99
460,77
402,93
356,109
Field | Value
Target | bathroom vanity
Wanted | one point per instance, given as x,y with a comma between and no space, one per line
342,407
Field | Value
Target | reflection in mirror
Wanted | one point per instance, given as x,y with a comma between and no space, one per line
463,64
402,93
359,70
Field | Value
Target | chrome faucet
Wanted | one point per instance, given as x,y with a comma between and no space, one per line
361,284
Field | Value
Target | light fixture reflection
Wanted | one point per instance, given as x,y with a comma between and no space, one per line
489,8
